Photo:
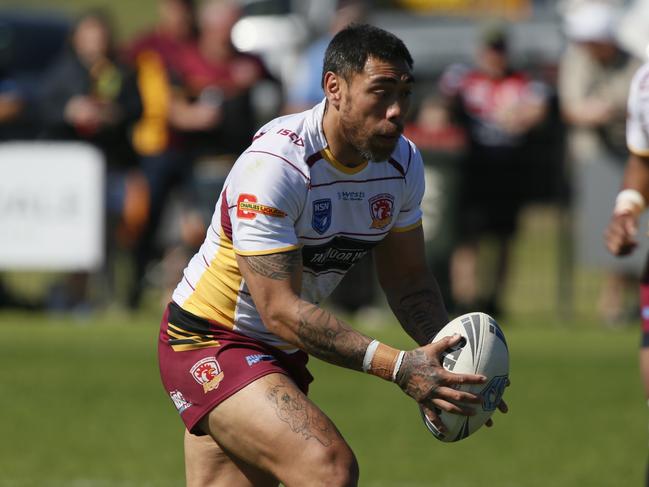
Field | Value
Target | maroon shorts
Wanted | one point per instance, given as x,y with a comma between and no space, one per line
198,379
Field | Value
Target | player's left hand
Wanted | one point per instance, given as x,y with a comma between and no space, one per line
620,235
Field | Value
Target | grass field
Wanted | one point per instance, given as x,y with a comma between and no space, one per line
82,406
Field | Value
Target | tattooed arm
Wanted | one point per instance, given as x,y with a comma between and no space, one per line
410,288
416,301
274,281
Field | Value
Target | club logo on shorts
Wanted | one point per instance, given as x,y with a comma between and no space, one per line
179,401
208,373
381,208
321,219
248,208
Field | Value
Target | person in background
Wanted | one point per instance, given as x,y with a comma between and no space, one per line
212,117
90,96
498,108
621,235
306,90
12,104
219,79
594,78
164,160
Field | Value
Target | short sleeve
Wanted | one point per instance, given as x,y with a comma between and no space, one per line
265,197
637,130
410,213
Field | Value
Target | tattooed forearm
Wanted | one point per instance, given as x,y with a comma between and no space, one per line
275,266
302,416
421,313
328,338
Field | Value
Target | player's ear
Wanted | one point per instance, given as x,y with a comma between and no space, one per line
332,88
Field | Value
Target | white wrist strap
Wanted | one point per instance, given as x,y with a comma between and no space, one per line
629,201
398,365
369,354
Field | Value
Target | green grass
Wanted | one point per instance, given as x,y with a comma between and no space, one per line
82,406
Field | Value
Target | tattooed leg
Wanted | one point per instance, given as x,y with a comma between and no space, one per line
272,425
297,411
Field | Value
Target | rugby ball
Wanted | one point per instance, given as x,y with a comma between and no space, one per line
482,350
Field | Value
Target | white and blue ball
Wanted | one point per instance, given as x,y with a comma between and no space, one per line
483,350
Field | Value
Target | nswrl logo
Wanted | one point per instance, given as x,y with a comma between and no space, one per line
321,219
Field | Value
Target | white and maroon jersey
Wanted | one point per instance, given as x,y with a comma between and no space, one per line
637,124
286,192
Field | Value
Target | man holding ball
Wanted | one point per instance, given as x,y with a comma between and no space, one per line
312,195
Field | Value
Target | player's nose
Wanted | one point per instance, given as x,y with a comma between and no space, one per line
395,114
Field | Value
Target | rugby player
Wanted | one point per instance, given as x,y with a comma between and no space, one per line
313,193
631,201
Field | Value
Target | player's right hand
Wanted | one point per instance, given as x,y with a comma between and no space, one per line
423,378
620,235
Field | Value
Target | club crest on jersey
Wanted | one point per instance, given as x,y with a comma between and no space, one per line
248,208
179,401
207,373
321,219
381,208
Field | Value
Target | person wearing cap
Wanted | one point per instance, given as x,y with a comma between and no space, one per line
498,107
621,235
594,77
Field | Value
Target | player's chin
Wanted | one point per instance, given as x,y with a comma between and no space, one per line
382,147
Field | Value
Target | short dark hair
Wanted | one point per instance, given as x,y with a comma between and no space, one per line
348,51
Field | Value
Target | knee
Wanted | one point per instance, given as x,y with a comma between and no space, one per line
333,466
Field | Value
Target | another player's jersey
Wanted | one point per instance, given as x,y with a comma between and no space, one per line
288,192
637,125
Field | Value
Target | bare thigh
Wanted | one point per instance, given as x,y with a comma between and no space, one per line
273,427
207,465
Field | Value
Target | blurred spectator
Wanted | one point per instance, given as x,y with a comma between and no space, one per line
498,107
11,103
433,127
165,162
29,43
89,96
306,89
11,107
218,81
594,78
212,117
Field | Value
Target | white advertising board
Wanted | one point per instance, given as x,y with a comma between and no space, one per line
51,206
